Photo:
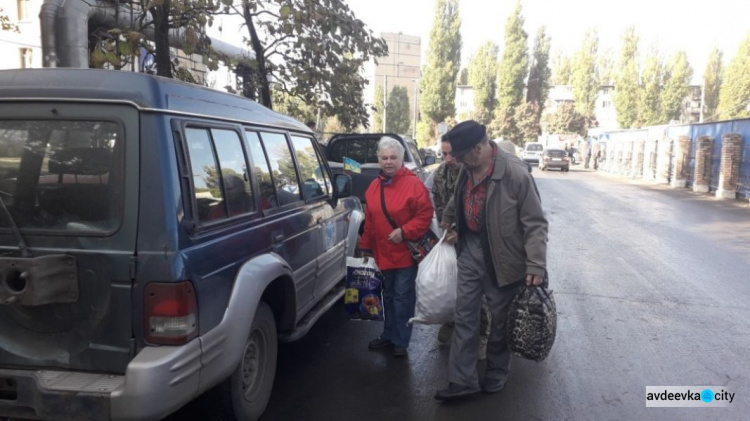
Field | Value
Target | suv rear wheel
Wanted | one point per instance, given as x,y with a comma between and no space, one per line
246,392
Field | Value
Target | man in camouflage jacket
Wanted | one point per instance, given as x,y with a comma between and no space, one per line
444,182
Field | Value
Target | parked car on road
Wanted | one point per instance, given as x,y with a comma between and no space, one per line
157,240
363,148
532,151
554,158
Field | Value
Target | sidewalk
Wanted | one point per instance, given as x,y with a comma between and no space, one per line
686,192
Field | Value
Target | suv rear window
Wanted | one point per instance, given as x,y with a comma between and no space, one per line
556,153
61,175
364,151
536,147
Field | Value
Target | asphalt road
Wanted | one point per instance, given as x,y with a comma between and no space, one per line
652,288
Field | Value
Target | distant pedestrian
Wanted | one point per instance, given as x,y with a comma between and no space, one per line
588,158
597,159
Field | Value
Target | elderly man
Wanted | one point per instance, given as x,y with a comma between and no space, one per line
502,236
443,187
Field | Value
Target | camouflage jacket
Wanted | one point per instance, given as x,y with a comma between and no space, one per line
443,185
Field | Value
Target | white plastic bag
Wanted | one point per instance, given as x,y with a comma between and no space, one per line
437,279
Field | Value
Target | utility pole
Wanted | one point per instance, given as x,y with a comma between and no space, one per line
416,104
703,99
385,102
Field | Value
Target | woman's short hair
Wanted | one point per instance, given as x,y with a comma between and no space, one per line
387,142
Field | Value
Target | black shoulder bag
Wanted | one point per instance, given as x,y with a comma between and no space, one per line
418,249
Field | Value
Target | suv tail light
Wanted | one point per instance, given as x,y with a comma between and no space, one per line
171,313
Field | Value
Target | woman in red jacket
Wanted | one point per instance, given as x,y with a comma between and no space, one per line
408,204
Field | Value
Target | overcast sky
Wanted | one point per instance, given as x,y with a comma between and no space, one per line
691,25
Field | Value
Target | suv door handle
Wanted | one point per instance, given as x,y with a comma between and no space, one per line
277,238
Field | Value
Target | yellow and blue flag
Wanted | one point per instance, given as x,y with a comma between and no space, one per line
352,165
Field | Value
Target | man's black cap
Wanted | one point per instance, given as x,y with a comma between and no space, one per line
464,136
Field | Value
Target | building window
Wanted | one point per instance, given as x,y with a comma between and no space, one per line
606,104
26,56
23,10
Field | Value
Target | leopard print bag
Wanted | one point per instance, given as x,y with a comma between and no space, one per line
532,323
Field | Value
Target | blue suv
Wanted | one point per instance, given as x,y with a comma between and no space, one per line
157,241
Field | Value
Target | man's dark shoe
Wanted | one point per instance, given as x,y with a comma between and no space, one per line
493,386
455,391
399,351
379,343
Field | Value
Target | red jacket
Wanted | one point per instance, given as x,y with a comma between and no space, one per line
408,204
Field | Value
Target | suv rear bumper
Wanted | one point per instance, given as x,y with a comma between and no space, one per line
158,381
43,394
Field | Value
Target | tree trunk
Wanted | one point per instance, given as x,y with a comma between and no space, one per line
161,39
260,77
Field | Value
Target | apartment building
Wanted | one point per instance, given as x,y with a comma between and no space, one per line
401,67
22,49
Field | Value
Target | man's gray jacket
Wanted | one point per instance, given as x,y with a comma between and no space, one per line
514,222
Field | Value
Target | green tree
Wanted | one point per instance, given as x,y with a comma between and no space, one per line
712,81
426,132
483,77
5,23
378,107
562,69
514,63
119,46
398,111
463,77
626,87
677,77
294,106
567,120
318,50
605,68
437,99
527,121
504,125
651,89
584,79
192,16
735,91
540,72
333,126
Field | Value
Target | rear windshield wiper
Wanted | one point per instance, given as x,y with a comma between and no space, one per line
17,232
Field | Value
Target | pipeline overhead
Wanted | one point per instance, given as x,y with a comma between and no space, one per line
64,26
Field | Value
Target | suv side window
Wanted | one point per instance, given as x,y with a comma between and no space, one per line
283,171
205,171
221,188
315,182
235,181
261,170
